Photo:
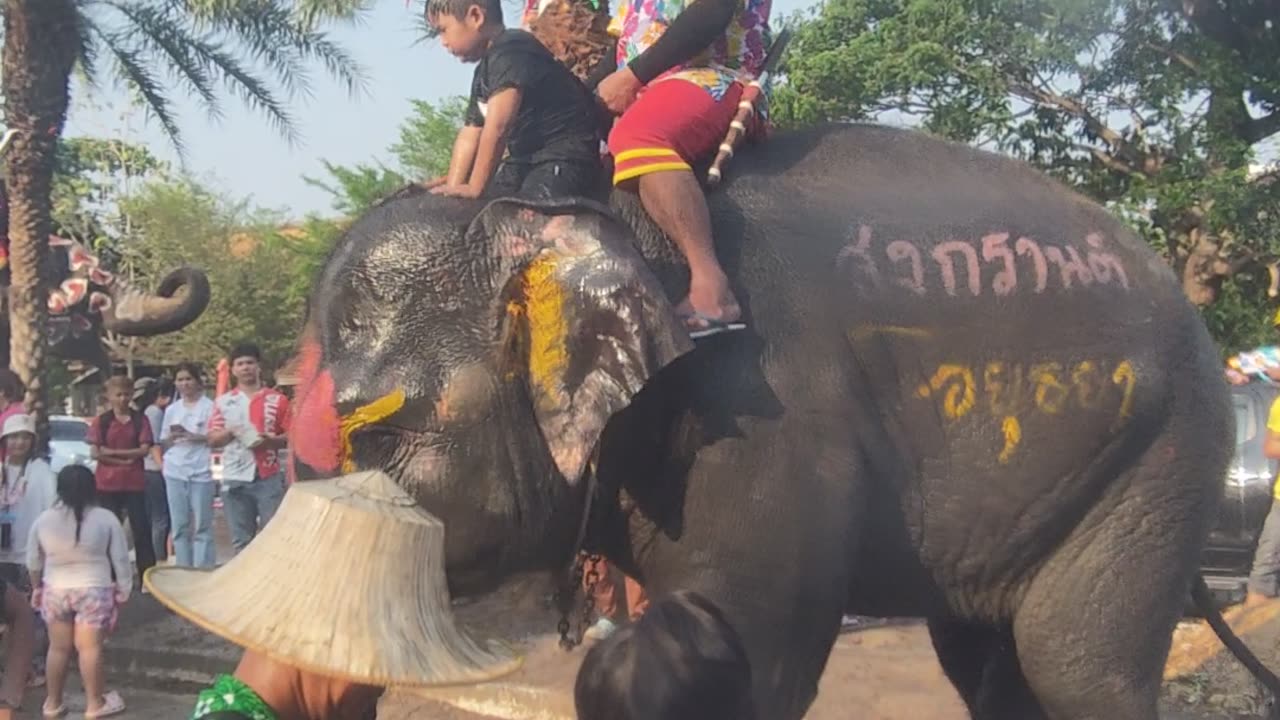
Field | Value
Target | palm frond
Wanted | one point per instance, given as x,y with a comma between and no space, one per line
87,65
272,33
139,79
261,51
161,35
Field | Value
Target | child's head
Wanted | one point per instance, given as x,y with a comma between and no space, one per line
119,391
680,660
76,487
465,26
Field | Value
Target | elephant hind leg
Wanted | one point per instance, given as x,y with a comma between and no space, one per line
1094,627
982,663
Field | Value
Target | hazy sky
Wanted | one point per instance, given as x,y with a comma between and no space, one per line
243,154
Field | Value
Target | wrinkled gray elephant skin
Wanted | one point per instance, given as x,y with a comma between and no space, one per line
965,394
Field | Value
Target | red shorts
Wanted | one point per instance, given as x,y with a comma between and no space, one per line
672,124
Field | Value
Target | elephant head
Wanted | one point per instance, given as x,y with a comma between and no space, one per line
476,362
87,299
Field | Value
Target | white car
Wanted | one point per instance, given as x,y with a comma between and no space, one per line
68,442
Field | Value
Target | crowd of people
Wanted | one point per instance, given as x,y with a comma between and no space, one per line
660,101
163,451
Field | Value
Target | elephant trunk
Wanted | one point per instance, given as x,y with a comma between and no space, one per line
182,296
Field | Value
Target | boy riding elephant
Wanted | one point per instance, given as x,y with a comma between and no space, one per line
678,82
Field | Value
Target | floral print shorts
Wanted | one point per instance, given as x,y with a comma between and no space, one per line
95,606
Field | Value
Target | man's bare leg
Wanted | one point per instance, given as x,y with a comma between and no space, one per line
674,199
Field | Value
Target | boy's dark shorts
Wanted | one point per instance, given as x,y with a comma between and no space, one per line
547,180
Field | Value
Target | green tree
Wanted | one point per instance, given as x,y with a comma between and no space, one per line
254,263
257,49
91,176
426,137
1155,107
423,151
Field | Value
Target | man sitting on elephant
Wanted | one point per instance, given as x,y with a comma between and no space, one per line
676,90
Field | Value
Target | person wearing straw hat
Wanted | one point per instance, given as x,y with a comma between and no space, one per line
327,610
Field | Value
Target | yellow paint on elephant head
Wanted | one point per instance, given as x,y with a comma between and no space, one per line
380,409
544,309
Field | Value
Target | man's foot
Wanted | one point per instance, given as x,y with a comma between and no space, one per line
710,309
701,326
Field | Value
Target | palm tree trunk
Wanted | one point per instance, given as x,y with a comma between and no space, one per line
41,43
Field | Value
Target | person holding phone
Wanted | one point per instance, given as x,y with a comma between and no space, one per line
187,476
248,426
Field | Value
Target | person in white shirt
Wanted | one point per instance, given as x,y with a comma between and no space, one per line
73,553
26,490
188,480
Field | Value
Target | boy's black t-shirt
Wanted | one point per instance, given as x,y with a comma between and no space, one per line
557,119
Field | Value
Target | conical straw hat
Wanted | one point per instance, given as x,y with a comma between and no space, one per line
347,580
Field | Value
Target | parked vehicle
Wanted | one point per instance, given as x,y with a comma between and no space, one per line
1228,556
68,442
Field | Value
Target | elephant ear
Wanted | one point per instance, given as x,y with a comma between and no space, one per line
585,320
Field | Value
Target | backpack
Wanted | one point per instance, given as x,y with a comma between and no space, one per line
135,418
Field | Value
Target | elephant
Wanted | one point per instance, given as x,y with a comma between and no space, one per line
86,300
965,394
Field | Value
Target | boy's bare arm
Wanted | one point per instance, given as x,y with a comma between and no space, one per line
503,106
464,156
491,142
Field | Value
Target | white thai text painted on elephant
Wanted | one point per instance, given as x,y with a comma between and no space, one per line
961,263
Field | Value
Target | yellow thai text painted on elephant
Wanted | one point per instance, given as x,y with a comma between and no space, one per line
544,301
1013,392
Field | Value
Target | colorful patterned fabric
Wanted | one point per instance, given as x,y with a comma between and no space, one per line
93,606
231,695
740,52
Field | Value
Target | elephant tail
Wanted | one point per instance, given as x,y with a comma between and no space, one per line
1204,603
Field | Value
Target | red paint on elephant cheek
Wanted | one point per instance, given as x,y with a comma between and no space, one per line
313,436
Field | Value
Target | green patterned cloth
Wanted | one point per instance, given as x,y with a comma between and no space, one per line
230,695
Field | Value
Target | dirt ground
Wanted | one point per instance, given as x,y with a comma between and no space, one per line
885,673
